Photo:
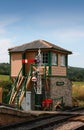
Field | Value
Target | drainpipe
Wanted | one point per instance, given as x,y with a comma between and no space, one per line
50,62
23,65
10,65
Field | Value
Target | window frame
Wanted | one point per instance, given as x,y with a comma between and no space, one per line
45,58
54,59
63,60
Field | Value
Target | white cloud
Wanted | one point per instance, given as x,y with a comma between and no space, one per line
4,45
2,30
76,53
68,33
5,21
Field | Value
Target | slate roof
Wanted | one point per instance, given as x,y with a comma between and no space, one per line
42,44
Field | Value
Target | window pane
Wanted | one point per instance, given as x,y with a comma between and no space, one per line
63,60
54,59
45,58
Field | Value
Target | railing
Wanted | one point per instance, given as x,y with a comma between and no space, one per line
58,103
23,89
13,87
44,69
18,89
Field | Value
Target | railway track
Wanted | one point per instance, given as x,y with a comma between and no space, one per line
78,109
45,122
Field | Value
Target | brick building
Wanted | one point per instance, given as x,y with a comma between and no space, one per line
54,59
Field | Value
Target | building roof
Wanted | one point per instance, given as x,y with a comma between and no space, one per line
34,45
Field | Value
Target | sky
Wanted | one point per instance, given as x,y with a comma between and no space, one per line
60,22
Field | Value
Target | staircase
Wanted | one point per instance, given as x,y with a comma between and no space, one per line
18,89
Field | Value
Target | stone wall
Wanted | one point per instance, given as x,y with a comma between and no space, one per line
55,91
63,88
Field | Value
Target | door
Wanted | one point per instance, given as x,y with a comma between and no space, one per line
26,103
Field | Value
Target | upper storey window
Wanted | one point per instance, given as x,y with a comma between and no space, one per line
63,60
45,57
54,59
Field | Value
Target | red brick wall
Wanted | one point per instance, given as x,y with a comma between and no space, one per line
29,55
58,70
16,63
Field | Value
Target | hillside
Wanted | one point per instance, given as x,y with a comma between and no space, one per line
4,68
75,73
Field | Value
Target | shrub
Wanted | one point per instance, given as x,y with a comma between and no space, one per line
6,86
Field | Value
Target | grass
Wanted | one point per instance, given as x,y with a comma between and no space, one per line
78,83
4,77
78,92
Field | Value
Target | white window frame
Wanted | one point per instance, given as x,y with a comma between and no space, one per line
63,60
45,58
54,59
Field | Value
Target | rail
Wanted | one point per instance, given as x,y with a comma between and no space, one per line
47,121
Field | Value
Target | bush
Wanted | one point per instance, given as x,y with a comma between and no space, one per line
6,86
4,68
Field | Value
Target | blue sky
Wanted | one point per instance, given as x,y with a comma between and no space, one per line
58,21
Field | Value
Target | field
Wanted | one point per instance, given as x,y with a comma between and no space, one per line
4,77
78,93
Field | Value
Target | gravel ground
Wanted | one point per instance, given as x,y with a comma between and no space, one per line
69,125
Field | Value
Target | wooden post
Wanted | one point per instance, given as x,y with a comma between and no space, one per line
0,94
50,63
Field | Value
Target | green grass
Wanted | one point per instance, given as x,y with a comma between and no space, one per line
4,77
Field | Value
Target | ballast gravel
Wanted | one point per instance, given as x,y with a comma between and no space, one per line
69,125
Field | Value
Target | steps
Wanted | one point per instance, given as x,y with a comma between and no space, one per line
19,88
